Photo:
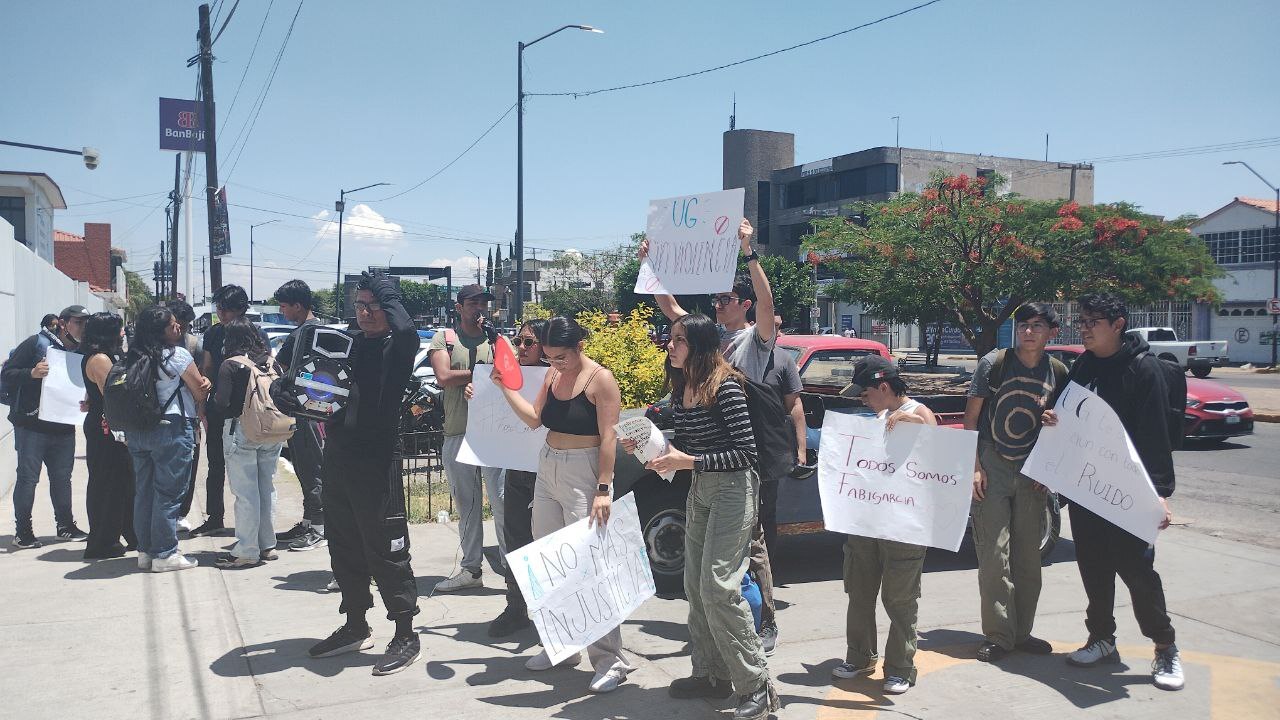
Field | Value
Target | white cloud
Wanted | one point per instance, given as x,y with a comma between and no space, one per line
362,229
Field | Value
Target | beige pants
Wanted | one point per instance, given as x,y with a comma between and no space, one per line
562,495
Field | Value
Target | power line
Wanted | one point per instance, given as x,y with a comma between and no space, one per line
433,176
252,52
225,22
585,93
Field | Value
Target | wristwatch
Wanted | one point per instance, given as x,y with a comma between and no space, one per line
697,462
753,256
603,489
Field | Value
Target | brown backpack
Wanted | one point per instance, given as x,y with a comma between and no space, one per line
261,421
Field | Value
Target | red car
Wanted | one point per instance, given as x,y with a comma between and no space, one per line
1214,411
826,361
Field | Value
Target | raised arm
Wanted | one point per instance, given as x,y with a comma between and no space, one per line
666,303
766,328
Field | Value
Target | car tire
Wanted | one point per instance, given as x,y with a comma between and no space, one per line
661,506
1201,372
1052,527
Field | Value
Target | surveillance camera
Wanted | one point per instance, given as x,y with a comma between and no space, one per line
90,157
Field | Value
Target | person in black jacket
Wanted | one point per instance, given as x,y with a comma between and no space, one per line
39,442
1120,368
364,502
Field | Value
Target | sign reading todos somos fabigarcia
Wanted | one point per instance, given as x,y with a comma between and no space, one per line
911,484
581,582
693,244
1089,457
182,125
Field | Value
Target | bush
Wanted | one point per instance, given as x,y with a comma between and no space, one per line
626,350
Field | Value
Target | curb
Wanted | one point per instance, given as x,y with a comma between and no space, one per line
1266,417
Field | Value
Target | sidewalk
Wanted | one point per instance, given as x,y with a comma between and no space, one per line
103,640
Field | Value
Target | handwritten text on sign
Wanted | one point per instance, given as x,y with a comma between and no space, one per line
1089,457
580,582
496,437
911,484
693,244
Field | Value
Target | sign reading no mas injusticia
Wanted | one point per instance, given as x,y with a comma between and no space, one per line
693,244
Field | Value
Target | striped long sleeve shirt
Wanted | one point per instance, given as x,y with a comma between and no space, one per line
720,433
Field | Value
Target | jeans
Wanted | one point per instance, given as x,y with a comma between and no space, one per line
1007,526
891,569
1103,551
161,466
57,453
467,482
251,469
721,513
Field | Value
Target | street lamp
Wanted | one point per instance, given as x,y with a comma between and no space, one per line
1275,256
517,307
477,257
90,155
251,227
341,206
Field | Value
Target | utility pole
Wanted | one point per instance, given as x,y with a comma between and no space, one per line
204,289
1073,167
251,227
211,143
176,198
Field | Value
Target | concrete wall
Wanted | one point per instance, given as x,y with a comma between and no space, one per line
749,157
30,287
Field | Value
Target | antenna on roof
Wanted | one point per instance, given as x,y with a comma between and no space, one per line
733,117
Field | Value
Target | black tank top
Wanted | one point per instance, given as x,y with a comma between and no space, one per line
575,416
91,390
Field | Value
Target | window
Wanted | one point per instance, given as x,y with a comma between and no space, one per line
1250,246
831,368
1224,247
1270,244
14,210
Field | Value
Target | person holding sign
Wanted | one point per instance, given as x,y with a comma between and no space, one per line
871,564
579,404
714,438
1120,368
453,354
1010,389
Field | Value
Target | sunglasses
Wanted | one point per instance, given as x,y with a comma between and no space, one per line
526,342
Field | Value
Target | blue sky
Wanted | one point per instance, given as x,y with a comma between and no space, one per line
391,91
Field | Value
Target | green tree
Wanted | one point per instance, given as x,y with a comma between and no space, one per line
138,295
792,285
975,256
422,298
571,302
323,302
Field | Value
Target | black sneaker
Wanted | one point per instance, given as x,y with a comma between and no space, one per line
508,622
209,527
1035,646
769,638
71,532
308,540
758,704
292,533
990,652
343,640
402,651
699,687
26,541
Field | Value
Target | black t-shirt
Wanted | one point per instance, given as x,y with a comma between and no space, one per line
214,338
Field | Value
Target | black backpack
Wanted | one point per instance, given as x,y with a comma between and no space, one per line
772,426
1175,379
129,401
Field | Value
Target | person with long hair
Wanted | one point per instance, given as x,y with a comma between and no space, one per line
714,439
109,492
578,403
162,454
251,467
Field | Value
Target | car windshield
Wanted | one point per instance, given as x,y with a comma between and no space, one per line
833,368
1162,335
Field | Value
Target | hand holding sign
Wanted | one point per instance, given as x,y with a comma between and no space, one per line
692,244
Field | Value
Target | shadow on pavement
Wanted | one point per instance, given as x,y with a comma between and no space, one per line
478,634
1198,446
1082,687
315,581
427,588
279,655
106,569
64,554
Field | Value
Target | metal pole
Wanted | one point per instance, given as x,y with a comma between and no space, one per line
251,227
517,307
186,214
211,147
337,283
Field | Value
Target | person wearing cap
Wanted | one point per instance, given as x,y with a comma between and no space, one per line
874,565
453,354
40,442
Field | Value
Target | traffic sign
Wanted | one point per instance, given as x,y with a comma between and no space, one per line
1273,306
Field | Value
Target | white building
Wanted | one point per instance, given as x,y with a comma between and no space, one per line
27,202
1241,237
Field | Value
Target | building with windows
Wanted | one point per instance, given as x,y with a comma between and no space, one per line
27,202
1242,238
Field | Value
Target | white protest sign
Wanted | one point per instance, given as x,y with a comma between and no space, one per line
1089,457
63,388
693,244
911,484
496,436
650,442
580,582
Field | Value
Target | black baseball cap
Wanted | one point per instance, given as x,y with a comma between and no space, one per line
74,311
870,371
473,291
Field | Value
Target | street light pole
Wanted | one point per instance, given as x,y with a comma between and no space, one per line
341,206
517,307
477,257
251,227
1275,257
88,154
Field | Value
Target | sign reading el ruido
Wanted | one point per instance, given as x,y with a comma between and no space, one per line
693,244
580,582
911,484
182,125
1089,457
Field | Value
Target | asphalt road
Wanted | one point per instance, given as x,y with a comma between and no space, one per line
1229,489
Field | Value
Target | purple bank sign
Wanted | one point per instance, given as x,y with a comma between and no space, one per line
181,125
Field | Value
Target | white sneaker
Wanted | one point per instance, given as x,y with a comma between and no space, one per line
895,685
176,561
607,682
144,561
1166,669
333,585
462,581
542,661
1095,653
185,525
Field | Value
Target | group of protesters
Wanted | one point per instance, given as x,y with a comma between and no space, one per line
141,483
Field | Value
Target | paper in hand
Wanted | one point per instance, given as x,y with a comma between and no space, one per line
650,442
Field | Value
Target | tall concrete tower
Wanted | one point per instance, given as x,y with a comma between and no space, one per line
749,157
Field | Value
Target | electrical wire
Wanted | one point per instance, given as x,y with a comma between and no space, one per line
252,52
449,164
224,23
586,93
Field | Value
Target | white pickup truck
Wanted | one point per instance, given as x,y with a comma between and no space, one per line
1198,357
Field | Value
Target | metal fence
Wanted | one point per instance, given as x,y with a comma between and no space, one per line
422,468
1170,313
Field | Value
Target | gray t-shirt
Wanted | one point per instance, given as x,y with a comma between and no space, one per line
746,351
784,374
1010,416
175,363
